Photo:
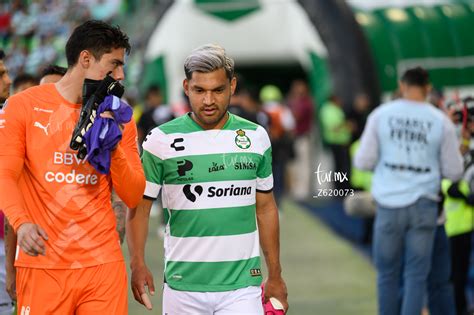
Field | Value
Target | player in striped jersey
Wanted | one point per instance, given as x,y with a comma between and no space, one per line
214,170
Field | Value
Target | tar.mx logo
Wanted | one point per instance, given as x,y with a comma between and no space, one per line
191,195
330,176
324,177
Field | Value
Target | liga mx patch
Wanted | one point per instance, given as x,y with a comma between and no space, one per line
255,272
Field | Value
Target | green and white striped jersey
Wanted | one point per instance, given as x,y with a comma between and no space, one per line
209,180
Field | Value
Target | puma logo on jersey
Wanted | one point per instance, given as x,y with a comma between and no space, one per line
44,128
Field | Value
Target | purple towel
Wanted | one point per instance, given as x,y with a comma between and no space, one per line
105,133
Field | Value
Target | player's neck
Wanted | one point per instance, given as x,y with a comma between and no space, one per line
217,125
70,86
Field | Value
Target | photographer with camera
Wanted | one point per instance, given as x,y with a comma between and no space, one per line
70,260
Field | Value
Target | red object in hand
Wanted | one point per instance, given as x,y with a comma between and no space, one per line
272,306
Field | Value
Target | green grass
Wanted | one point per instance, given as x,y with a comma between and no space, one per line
324,274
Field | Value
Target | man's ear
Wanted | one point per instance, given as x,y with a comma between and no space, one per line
186,86
85,59
402,87
233,85
429,87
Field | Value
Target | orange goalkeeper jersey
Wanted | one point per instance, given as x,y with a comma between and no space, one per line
66,196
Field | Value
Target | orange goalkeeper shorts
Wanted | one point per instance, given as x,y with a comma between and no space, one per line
100,290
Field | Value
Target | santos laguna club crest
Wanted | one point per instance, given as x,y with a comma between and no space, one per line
241,140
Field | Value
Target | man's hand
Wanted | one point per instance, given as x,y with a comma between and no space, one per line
110,114
10,241
141,278
30,239
276,287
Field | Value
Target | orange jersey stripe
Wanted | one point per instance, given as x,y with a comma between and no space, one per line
66,196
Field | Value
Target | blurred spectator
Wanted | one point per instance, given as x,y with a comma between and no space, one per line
282,125
440,280
23,82
181,107
34,35
42,55
459,202
104,9
5,80
50,18
23,23
156,113
6,305
5,24
245,103
337,135
16,57
436,98
52,74
131,97
302,107
410,146
357,115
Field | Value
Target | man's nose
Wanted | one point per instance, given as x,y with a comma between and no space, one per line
208,98
118,73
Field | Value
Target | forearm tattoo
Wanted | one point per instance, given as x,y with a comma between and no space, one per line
120,210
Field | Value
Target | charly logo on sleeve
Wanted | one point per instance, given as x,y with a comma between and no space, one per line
176,146
241,140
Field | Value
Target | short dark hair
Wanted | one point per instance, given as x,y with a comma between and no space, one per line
416,77
53,69
24,78
96,36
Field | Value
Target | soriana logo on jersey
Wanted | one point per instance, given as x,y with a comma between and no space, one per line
73,176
